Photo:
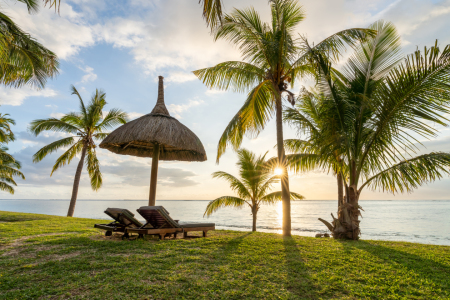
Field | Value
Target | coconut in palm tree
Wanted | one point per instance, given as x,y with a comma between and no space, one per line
273,60
86,126
253,187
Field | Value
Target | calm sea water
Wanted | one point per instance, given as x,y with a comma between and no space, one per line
413,221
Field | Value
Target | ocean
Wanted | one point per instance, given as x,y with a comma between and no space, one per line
425,222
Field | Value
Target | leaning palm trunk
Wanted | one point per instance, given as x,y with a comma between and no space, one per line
76,183
285,177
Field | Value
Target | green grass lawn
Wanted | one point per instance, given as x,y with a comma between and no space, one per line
48,257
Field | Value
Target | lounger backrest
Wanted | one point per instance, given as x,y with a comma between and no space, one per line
157,216
123,216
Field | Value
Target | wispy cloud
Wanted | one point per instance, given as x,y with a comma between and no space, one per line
90,75
15,97
177,109
134,115
214,92
180,77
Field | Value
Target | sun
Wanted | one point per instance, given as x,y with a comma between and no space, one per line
278,171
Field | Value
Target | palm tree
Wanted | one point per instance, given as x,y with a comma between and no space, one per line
9,167
85,126
256,180
317,149
377,107
274,61
24,61
6,134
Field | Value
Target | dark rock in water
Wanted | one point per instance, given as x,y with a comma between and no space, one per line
319,235
326,235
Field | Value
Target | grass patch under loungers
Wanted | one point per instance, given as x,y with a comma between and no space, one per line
52,257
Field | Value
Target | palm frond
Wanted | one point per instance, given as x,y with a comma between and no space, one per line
82,106
67,156
250,119
6,187
6,134
274,197
53,3
52,124
93,168
235,184
32,5
24,60
52,147
100,136
305,162
240,76
416,93
113,118
410,174
225,201
212,12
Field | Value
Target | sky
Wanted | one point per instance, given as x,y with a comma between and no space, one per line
122,47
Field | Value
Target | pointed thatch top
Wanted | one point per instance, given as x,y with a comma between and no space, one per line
160,107
137,138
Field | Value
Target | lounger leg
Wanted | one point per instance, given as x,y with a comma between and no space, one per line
162,236
185,234
141,236
175,235
204,233
108,233
125,236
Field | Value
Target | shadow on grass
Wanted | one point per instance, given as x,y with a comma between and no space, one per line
299,282
426,268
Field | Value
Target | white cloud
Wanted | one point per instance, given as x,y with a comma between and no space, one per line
90,75
64,34
177,109
134,115
180,77
15,97
122,32
214,92
57,115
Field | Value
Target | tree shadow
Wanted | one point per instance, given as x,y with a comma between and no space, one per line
229,247
425,267
299,282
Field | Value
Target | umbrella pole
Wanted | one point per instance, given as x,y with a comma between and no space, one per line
154,176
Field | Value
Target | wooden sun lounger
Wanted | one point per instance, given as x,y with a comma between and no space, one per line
123,220
160,223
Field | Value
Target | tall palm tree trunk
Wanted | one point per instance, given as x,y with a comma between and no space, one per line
76,183
340,184
254,212
286,199
353,230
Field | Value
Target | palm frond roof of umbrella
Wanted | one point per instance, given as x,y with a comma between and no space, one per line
139,137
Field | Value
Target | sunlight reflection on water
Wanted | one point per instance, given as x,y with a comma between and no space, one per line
414,221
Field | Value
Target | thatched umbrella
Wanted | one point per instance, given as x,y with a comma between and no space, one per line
156,135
